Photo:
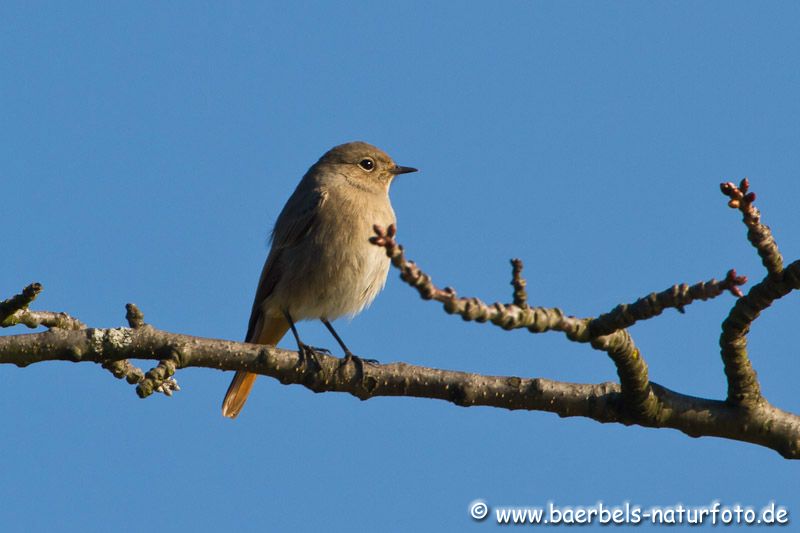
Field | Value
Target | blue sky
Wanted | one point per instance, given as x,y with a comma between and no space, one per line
146,149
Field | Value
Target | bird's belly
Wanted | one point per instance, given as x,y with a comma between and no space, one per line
338,275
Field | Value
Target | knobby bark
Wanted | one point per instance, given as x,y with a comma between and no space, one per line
745,414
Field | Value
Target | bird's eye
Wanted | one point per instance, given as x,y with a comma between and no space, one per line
367,164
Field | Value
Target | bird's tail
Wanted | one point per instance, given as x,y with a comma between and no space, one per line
271,330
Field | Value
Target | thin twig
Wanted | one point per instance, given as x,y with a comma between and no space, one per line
759,235
631,367
677,297
519,283
18,302
14,311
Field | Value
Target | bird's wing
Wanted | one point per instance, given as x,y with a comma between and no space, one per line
297,219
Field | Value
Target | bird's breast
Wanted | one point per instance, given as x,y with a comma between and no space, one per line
342,272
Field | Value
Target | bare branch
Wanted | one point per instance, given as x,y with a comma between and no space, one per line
743,386
134,316
746,415
18,302
34,319
765,426
759,235
159,379
608,335
124,369
677,296
15,311
518,282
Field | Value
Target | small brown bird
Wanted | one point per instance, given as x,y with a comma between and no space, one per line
321,264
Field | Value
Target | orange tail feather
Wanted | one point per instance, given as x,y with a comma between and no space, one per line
269,331
237,393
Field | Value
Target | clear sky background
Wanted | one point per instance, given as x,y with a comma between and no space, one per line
147,147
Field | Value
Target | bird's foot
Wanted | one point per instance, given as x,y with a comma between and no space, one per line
350,357
319,350
309,356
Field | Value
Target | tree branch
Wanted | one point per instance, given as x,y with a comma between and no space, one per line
15,311
605,333
759,235
766,426
745,415
743,386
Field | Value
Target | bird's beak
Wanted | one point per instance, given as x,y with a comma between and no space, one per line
402,170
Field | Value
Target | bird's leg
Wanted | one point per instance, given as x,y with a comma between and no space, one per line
307,353
348,355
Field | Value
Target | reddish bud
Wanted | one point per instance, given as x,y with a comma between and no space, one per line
744,185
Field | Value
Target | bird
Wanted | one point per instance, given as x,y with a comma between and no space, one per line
321,264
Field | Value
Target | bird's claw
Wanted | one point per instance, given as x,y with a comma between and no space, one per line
359,363
309,355
317,349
